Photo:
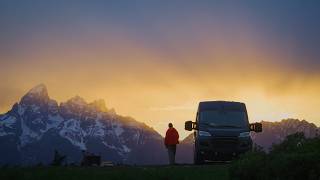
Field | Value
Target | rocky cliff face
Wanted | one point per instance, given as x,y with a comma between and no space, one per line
37,125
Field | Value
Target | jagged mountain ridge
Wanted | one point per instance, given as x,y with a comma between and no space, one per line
276,132
37,125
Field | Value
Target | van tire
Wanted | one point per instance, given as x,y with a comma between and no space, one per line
198,159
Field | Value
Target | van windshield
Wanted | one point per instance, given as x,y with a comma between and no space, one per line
227,119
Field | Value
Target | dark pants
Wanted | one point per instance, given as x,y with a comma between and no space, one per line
172,153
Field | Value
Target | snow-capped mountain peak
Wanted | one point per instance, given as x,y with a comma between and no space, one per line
38,90
36,95
38,125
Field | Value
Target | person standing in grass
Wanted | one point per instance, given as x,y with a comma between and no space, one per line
171,140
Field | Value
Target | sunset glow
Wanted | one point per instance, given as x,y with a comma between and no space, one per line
156,62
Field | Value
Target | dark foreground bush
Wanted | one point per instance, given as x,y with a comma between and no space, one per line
295,158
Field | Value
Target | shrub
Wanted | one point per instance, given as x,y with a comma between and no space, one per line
295,158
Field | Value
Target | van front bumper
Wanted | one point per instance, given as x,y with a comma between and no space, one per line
223,148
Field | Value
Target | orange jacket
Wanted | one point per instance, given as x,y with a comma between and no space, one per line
172,137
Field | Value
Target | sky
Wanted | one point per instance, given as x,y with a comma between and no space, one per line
155,60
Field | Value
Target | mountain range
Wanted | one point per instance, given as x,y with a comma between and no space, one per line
36,126
276,132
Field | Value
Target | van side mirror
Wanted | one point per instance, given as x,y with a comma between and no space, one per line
256,127
189,125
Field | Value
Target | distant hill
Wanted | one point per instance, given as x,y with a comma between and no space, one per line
276,132
185,150
273,133
37,125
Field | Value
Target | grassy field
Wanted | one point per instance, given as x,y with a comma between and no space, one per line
149,172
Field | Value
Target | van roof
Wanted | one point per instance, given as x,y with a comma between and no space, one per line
221,105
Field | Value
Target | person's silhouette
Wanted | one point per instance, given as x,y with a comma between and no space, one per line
171,140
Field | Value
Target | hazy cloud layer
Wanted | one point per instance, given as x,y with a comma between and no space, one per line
151,59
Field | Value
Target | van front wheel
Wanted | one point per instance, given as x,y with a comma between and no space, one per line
198,159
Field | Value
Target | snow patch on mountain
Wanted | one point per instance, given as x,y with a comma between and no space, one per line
7,122
126,149
109,146
122,150
53,122
136,137
21,109
36,121
99,129
35,108
118,130
53,107
72,131
27,136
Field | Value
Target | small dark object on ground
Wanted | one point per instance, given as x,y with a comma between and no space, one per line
90,159
58,159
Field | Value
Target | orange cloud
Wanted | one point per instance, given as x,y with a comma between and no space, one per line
158,86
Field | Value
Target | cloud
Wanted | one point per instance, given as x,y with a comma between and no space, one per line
173,108
145,63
